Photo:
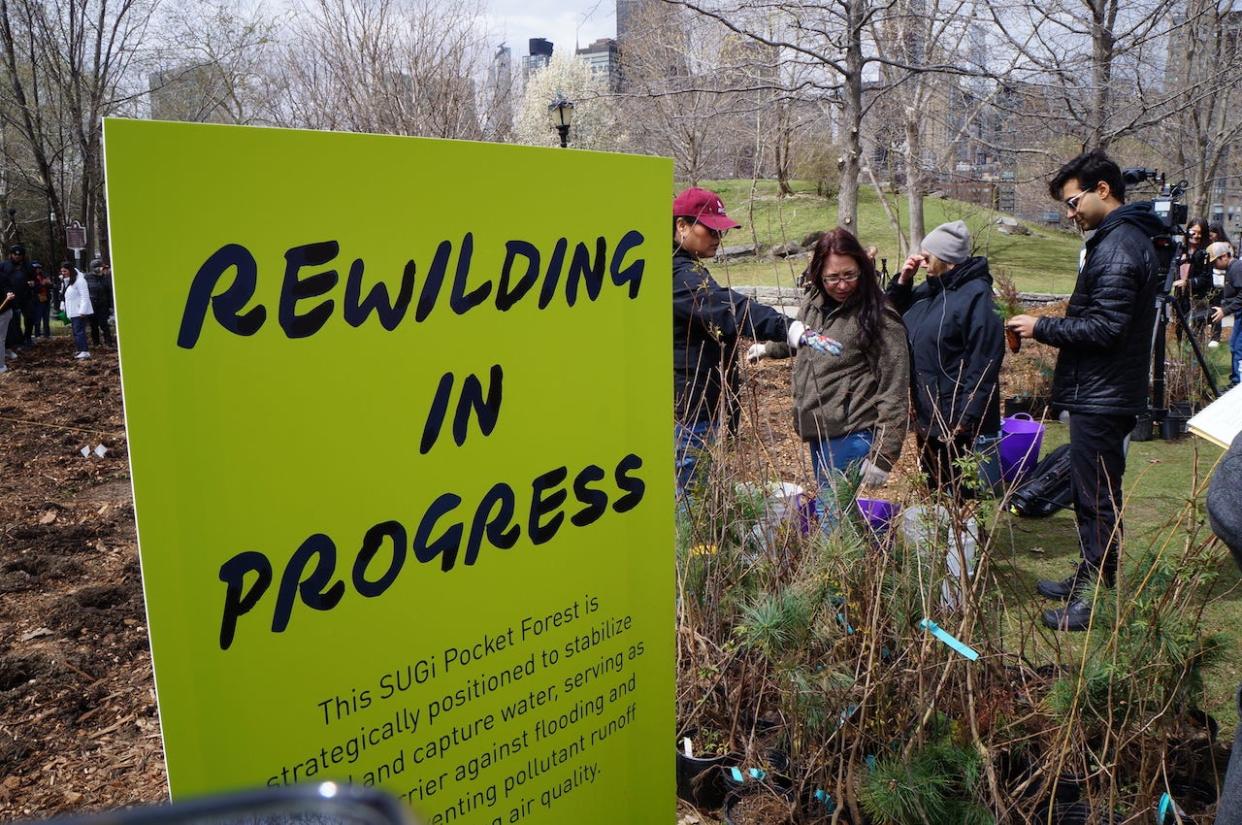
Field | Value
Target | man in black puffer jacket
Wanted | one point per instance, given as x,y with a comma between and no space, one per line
1104,363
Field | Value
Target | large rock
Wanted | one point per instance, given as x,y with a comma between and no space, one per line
785,250
737,251
1011,226
810,240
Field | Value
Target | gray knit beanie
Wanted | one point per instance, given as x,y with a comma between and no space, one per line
950,242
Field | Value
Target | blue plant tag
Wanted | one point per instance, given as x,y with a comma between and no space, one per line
956,644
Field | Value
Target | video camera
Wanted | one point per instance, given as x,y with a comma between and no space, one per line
1168,205
1172,211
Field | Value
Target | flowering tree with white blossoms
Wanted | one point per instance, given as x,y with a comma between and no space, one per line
595,124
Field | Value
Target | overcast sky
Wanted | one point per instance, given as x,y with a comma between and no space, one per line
516,21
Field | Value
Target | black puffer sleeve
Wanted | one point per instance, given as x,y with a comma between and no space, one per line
1109,309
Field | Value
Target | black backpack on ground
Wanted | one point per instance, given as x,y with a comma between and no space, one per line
1047,490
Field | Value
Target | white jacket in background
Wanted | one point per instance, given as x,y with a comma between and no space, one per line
78,298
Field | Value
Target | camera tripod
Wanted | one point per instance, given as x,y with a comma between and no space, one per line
1166,305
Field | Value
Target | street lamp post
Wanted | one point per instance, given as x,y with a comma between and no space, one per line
561,112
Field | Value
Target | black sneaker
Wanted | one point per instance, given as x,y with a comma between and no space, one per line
1074,616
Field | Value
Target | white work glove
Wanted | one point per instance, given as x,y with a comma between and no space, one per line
756,353
794,334
800,336
872,475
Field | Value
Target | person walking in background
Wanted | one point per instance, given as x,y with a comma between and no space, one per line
958,343
1103,365
852,411
77,306
44,298
30,309
1230,304
17,275
8,294
708,321
99,283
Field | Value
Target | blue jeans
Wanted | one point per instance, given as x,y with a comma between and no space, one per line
79,332
689,441
831,459
1235,347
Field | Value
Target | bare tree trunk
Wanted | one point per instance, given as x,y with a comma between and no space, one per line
915,179
1102,43
847,203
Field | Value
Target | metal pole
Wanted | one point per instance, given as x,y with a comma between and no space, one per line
564,131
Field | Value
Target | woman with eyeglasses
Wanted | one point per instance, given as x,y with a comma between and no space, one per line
1194,280
853,410
958,341
708,321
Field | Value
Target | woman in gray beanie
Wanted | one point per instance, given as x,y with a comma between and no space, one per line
957,342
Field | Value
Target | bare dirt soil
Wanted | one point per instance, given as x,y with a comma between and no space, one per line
78,723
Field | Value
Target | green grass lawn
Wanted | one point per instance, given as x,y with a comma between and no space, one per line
1044,261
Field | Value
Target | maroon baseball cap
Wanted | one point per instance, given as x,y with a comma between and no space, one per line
705,206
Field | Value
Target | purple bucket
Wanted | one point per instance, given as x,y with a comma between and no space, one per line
1021,438
878,513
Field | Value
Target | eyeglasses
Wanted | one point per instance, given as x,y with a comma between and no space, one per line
839,278
715,233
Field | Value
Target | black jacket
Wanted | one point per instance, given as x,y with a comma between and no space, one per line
1106,335
1231,300
708,320
16,278
100,288
957,344
1199,279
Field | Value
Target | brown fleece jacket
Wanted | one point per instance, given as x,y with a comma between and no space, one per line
834,396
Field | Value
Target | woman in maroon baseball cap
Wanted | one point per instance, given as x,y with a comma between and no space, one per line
708,321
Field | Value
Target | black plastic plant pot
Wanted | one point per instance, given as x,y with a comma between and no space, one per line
1015,404
1193,794
1068,788
1080,813
1173,427
1142,429
1206,722
1018,774
701,779
1182,408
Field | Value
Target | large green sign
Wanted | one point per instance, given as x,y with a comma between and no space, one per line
398,418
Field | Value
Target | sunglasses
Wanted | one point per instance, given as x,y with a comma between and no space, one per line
1071,202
